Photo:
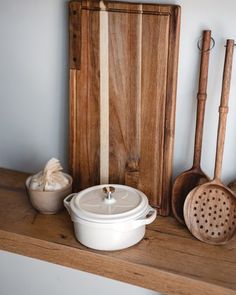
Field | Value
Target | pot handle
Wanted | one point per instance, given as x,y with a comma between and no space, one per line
67,201
147,219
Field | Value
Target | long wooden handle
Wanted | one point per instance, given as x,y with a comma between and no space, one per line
223,109
201,96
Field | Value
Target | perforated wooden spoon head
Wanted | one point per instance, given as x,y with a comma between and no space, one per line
183,184
210,213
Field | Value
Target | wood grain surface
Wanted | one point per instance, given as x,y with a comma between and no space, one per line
125,96
169,259
155,36
142,62
85,105
75,35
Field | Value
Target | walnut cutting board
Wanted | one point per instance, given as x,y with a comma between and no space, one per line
123,72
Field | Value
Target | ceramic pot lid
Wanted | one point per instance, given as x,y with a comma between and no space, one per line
109,203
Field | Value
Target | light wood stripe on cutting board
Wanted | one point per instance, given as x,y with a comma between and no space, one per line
104,98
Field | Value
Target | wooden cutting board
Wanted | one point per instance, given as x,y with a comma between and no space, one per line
123,73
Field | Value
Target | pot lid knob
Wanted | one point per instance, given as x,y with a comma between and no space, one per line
108,190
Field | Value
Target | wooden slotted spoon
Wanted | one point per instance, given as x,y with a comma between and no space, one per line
189,179
210,208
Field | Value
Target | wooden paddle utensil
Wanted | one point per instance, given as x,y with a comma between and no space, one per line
187,180
210,208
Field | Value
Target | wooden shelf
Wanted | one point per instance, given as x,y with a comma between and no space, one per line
168,259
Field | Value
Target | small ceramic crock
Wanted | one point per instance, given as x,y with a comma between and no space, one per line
48,202
109,217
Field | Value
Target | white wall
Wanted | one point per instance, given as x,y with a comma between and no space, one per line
34,107
220,18
21,275
33,83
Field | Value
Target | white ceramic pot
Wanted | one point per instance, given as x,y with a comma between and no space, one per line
109,217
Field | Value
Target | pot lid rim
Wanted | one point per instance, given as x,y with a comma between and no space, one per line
132,214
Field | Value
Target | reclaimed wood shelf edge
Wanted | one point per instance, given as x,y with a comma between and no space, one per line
168,260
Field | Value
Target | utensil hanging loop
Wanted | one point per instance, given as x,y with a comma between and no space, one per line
200,47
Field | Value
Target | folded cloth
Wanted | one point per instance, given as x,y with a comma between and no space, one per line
51,178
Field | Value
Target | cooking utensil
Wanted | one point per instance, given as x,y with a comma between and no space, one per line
189,179
109,217
210,209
